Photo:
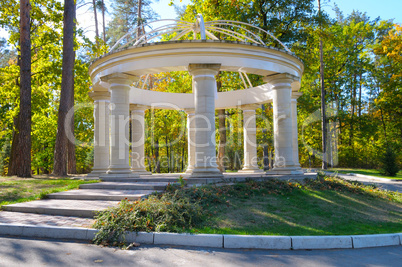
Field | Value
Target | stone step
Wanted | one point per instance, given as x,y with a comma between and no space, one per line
21,218
101,194
64,207
158,179
126,186
147,179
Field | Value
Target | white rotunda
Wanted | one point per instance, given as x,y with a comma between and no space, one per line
240,49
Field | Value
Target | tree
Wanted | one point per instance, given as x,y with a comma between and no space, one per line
103,9
125,17
67,89
23,157
94,6
283,18
323,102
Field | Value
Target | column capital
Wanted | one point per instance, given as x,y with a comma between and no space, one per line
281,78
251,107
189,111
119,78
135,107
99,95
204,69
296,95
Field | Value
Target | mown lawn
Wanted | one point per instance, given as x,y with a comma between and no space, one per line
14,189
305,212
322,206
370,172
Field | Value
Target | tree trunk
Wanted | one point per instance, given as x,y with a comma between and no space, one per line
323,115
167,154
67,87
139,18
96,21
360,96
103,21
222,130
265,145
24,138
353,102
12,166
222,139
157,162
71,163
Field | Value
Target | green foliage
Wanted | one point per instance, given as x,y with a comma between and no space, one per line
389,167
46,35
124,19
362,79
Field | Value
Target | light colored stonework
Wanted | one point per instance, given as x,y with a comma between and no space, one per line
203,59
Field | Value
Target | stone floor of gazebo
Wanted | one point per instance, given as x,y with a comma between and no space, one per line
227,177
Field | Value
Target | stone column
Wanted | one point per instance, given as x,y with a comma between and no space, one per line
138,139
283,128
250,140
204,89
101,132
295,96
119,167
190,139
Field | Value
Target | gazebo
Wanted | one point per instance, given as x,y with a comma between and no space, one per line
117,100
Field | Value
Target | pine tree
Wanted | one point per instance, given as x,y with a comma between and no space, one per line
125,18
67,90
24,142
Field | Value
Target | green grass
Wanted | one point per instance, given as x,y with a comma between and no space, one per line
322,206
370,172
15,190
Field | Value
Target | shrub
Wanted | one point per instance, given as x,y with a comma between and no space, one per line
389,166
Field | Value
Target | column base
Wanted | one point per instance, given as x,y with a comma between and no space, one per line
250,171
206,173
286,171
141,172
97,173
112,176
119,171
189,170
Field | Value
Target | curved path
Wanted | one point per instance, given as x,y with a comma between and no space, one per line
383,183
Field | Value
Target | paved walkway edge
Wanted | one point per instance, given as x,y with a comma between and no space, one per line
212,240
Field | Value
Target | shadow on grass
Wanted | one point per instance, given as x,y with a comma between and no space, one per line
312,210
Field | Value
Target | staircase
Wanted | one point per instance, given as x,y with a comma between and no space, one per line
83,202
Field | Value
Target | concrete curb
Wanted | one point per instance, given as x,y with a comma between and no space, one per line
259,242
321,242
367,241
212,240
200,240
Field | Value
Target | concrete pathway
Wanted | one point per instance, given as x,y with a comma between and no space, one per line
28,252
383,183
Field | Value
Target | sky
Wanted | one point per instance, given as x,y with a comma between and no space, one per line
386,9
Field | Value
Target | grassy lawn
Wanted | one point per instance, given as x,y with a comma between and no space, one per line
324,206
370,172
14,189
